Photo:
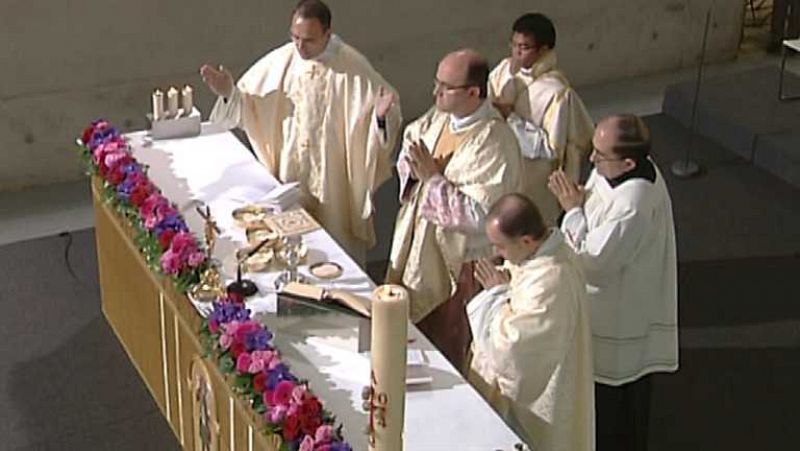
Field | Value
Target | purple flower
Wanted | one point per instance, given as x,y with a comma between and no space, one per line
258,341
101,135
278,374
172,221
340,446
225,312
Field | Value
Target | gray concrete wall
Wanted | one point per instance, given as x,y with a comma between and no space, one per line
67,62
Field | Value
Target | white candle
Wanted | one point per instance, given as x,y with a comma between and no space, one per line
172,102
186,100
158,105
388,377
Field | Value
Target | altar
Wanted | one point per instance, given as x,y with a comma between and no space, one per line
160,328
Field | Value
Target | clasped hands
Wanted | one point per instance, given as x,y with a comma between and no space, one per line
421,162
488,275
568,193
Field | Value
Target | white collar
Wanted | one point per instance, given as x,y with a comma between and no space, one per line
460,123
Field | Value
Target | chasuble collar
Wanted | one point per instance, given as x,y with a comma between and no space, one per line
484,111
545,64
548,248
334,43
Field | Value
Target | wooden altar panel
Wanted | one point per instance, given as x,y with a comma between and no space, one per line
159,330
130,301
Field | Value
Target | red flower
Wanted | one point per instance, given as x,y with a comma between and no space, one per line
165,238
311,407
235,297
309,424
140,193
260,382
87,134
237,348
291,428
115,176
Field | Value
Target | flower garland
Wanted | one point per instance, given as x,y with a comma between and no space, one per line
242,347
161,232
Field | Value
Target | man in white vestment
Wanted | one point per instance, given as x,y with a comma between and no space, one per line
531,340
622,231
456,160
316,112
547,116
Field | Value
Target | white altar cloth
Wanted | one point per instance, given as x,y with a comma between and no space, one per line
216,169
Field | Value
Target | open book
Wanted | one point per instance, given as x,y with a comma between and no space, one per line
304,292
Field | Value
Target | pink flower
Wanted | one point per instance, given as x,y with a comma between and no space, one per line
225,341
213,326
243,362
171,263
196,259
324,434
260,360
299,394
283,393
307,444
276,414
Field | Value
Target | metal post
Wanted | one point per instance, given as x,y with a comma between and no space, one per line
686,168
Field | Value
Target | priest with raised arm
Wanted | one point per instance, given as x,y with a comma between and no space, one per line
621,228
531,344
456,160
547,116
316,112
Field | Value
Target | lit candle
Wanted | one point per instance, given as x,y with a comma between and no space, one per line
172,102
186,100
158,105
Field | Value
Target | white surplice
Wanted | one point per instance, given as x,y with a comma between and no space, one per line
313,121
532,350
550,121
624,237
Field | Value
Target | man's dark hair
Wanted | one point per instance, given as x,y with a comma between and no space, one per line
634,138
314,9
478,75
537,26
517,216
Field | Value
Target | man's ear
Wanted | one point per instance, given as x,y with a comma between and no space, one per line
630,164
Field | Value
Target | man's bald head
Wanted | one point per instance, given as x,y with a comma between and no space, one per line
626,135
515,216
473,67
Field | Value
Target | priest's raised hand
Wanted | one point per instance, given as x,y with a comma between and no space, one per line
218,79
384,102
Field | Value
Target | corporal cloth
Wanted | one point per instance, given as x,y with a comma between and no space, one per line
552,125
313,121
625,241
532,350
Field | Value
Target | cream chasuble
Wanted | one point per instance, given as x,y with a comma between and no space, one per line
532,350
426,256
624,238
556,128
313,121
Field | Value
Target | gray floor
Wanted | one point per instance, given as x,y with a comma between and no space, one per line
65,383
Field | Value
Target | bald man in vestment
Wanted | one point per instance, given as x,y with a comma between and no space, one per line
316,112
531,344
456,160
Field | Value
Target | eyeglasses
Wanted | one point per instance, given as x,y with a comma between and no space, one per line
599,156
520,46
437,85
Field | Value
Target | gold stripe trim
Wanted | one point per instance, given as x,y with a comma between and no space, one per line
164,355
178,372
